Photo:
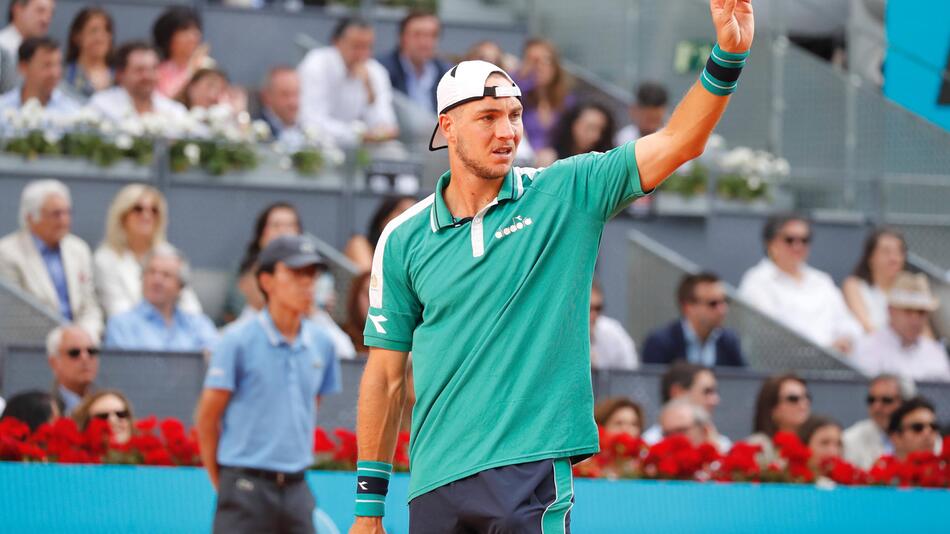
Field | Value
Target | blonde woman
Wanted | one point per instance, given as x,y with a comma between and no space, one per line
135,224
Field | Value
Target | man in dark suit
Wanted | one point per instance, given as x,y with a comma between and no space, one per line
698,336
414,69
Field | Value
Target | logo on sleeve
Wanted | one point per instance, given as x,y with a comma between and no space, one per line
378,321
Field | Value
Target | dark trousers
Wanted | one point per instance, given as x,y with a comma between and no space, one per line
260,504
530,498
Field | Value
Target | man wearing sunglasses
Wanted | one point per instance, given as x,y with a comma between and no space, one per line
698,336
74,359
913,428
783,286
865,441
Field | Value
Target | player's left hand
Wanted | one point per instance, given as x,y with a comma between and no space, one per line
734,24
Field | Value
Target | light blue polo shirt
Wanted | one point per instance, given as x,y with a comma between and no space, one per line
144,328
270,419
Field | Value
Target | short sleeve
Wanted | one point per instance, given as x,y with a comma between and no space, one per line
394,309
598,183
222,371
331,374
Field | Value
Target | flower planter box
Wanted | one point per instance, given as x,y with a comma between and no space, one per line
681,205
62,166
77,499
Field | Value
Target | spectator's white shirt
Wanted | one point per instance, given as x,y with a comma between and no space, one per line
115,104
883,352
626,134
875,302
10,40
59,104
811,306
337,103
341,342
864,442
119,283
611,346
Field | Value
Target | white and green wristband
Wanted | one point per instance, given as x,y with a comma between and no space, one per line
721,74
372,485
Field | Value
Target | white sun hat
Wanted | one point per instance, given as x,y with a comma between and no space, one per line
465,82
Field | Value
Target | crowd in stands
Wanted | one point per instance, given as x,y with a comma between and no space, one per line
135,291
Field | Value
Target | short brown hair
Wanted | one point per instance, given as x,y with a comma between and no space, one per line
686,291
607,407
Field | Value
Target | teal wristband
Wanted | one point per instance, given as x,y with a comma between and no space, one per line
721,74
372,485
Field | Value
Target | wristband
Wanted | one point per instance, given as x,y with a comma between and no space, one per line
372,485
721,74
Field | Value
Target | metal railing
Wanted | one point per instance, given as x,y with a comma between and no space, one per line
23,320
655,272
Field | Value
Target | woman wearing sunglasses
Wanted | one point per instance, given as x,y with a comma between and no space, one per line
135,224
108,405
783,405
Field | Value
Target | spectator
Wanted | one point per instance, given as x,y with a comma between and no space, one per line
414,67
31,407
279,360
865,291
696,384
492,53
698,336
135,225
783,286
913,428
610,345
547,91
207,88
356,310
344,91
783,405
822,436
279,218
867,440
360,248
280,101
158,321
177,36
47,261
619,415
40,67
902,348
681,417
647,113
28,18
89,51
108,405
73,356
136,68
582,128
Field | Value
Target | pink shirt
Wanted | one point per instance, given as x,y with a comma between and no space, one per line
172,78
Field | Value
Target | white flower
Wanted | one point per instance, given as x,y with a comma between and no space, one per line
334,156
88,115
754,183
220,114
232,134
193,153
153,123
715,142
285,163
107,128
52,136
199,114
132,126
123,141
312,133
781,168
736,159
244,118
261,130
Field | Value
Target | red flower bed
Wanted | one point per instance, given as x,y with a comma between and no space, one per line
675,458
169,443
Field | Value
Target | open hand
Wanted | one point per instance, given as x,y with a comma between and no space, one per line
734,24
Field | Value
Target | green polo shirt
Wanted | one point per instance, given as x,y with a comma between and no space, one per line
495,310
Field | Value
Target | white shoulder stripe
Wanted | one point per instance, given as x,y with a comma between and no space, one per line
376,276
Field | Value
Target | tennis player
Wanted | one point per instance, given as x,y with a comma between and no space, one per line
487,282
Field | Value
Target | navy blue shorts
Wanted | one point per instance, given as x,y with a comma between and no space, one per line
532,498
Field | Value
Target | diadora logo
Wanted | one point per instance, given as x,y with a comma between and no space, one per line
517,223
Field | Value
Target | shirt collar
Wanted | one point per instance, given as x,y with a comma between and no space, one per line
692,337
42,246
151,313
441,217
410,69
274,337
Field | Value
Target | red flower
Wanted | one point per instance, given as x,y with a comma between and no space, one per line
401,458
322,443
158,457
348,451
146,425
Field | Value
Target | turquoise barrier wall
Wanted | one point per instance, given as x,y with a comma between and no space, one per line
79,499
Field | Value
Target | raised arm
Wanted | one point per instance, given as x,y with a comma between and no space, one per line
693,120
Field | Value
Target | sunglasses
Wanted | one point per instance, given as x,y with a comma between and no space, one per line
791,240
104,416
75,353
596,307
883,399
795,399
140,209
918,428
